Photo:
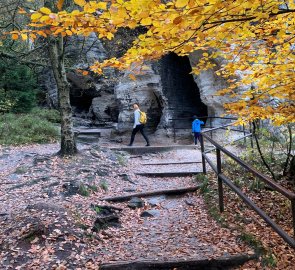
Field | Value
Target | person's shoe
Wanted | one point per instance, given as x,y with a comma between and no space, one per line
147,144
129,144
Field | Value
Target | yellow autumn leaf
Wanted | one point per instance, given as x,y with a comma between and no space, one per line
85,72
146,21
102,5
45,10
24,36
44,18
181,3
36,16
80,3
110,36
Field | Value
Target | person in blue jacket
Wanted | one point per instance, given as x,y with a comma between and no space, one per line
196,129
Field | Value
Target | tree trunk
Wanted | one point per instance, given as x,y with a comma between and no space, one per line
56,55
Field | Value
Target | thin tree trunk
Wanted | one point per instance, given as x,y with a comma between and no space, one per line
289,149
260,152
56,55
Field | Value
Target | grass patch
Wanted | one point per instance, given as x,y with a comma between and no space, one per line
84,190
121,159
267,258
34,127
21,170
211,199
203,179
104,185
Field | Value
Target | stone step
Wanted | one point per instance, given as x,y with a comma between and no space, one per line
96,132
226,262
171,163
135,150
168,174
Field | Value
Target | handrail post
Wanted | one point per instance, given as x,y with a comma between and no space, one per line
293,216
174,131
244,132
202,153
220,186
211,134
251,137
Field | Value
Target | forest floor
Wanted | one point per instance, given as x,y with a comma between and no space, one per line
50,209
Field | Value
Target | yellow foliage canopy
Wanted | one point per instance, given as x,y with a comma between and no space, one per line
256,38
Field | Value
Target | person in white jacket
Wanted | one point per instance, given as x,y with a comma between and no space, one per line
137,126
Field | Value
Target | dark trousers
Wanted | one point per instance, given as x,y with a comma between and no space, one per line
197,137
135,130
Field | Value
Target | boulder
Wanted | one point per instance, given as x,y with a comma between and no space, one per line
135,202
150,213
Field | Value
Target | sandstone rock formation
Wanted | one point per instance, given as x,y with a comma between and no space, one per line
165,90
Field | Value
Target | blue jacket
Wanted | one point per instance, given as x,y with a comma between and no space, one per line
196,125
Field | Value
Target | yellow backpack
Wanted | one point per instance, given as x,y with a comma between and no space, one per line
142,118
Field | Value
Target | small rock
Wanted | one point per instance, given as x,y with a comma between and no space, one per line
96,154
150,213
102,172
135,202
127,178
190,202
154,201
103,222
129,189
112,157
14,177
50,193
41,159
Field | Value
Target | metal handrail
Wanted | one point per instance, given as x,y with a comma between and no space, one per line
223,179
201,117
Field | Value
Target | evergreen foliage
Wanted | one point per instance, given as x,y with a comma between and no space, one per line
18,88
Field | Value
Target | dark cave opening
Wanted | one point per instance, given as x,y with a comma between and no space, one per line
80,104
181,90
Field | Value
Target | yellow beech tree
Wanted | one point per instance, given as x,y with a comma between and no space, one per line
255,38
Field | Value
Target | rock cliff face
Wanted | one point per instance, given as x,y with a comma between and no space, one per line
165,90
209,83
146,90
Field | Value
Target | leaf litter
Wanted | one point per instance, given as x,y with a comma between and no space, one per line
42,228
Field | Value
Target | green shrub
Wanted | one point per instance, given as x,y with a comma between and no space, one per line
50,115
18,129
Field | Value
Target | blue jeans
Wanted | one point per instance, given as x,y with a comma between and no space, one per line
197,137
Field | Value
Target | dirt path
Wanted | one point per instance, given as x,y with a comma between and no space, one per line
47,218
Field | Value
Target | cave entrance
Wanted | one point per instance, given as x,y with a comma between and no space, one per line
80,104
180,89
